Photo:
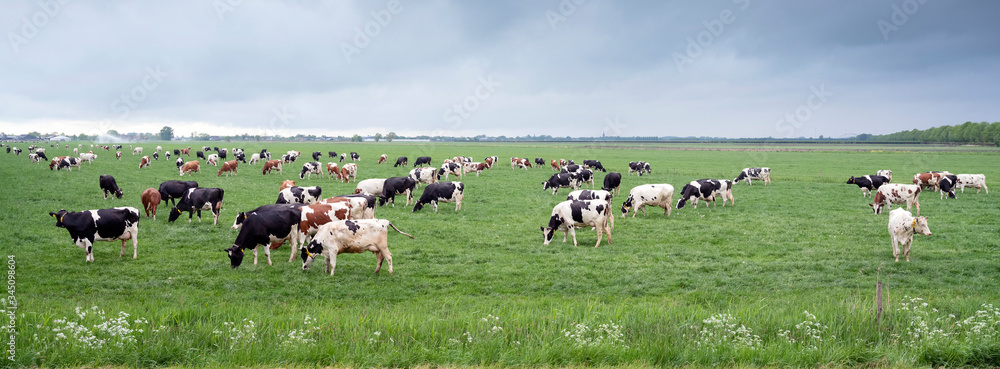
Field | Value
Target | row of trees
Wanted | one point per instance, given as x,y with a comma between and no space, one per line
968,132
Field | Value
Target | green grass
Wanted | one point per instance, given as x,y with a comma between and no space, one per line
806,243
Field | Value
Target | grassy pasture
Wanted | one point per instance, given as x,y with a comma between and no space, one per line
476,287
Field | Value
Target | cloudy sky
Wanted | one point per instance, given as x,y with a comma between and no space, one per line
728,68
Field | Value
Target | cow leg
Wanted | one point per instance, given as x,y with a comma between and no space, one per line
435,204
331,264
267,252
895,248
917,204
199,215
135,245
572,231
600,232
255,255
906,249
643,206
122,253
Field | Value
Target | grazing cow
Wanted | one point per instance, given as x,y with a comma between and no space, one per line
285,159
585,176
519,163
269,225
593,164
590,195
928,180
171,190
196,200
371,186
109,186
331,154
362,205
137,150
354,156
33,158
159,148
213,159
902,226
229,167
254,158
350,236
539,162
150,201
332,170
661,195
299,195
421,160
397,186
613,182
763,174
400,161
144,162
382,159
868,183
240,156
475,167
316,155
561,180
286,184
206,148
316,215
89,157
343,156
947,184
555,165
85,227
725,190
571,214
177,152
17,151
450,169
222,154
271,165
180,163
702,189
885,173
69,163
186,151
423,175
639,167
348,172
977,181
200,155
191,167
441,192
118,155
156,155
310,168
168,155
894,193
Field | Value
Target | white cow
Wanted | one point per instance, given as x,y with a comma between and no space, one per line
571,214
350,236
137,150
902,226
895,193
254,158
977,181
88,157
371,186
661,195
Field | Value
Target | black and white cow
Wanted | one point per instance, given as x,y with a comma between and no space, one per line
299,195
242,216
572,168
423,175
661,195
156,155
725,190
397,186
171,190
180,163
41,154
240,156
441,192
561,180
310,168
317,155
947,184
571,214
868,183
200,155
270,227
590,195
702,189
539,162
448,169
421,160
69,163
585,176
613,182
331,154
85,227
109,186
639,167
343,156
196,200
747,174
355,156
222,154
17,151
400,161
593,164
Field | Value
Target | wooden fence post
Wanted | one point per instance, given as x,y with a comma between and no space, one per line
878,302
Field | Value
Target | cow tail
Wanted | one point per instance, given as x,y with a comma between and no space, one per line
401,232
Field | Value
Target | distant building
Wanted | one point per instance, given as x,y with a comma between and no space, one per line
59,138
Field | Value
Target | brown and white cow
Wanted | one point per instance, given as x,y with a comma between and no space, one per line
332,170
144,162
186,151
316,215
929,180
191,167
118,155
350,236
286,184
555,165
349,172
213,159
271,165
382,159
902,226
977,181
895,193
150,201
229,167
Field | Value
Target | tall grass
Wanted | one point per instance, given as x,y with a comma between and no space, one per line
784,278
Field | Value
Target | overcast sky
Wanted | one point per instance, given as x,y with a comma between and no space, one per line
728,68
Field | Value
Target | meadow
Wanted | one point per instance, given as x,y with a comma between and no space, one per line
786,277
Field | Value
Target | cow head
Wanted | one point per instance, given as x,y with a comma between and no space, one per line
681,202
547,234
418,206
174,214
920,226
59,217
850,180
118,193
235,256
626,205
310,252
240,217
877,207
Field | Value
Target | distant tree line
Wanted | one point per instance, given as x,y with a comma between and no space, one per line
965,133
